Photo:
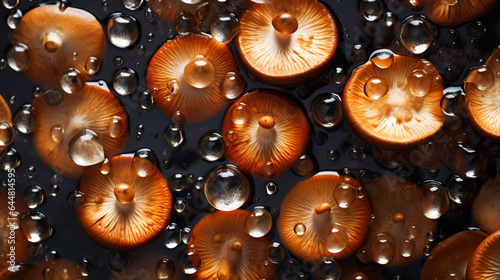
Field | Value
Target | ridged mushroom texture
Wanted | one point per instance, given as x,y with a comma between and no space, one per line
455,12
287,42
7,133
127,202
74,131
59,39
485,260
226,249
485,207
265,133
168,10
393,101
186,76
324,215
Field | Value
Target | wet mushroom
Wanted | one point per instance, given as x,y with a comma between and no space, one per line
127,202
77,130
265,133
485,208
324,215
455,12
287,42
398,233
60,39
393,101
485,260
450,257
168,10
185,77
226,249
482,87
7,133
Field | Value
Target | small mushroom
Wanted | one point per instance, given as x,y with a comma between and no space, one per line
124,207
324,215
185,77
265,133
485,260
287,42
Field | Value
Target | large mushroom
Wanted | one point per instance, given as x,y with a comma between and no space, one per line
455,12
485,260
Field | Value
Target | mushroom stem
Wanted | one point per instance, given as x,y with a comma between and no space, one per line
398,217
227,270
124,193
267,122
322,212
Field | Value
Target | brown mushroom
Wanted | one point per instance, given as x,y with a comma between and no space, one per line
287,42
168,10
127,202
7,133
265,133
485,260
59,39
485,208
324,215
185,76
454,12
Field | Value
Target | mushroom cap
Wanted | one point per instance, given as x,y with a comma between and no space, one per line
265,152
119,226
299,205
286,59
452,255
212,237
485,260
404,106
168,64
482,86
446,14
485,208
74,30
396,215
168,10
91,108
7,133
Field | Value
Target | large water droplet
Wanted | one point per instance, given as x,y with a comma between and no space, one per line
382,249
57,133
419,83
18,57
171,237
165,268
14,18
461,191
467,160
224,27
406,247
199,72
9,159
327,269
327,111
452,101
376,88
211,146
10,4
417,34
299,229
146,100
123,30
125,81
304,166
132,4
334,238
371,10
92,66
85,148
382,58
35,226
185,23
233,85
258,222
144,162
174,136
345,195
226,188
433,201
71,81
189,261
34,197
276,253
6,134
482,77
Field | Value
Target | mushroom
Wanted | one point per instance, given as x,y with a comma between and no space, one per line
59,40
482,87
264,133
398,233
455,12
287,42
79,129
485,208
324,215
226,249
485,260
394,101
168,10
7,133
185,76
127,202
450,257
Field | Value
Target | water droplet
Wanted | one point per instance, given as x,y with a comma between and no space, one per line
125,81
85,267
123,30
226,188
358,54
35,226
345,195
258,222
165,268
18,57
185,23
71,81
14,18
431,236
467,160
327,269
371,10
357,154
452,101
34,197
338,75
271,188
146,100
117,261
144,162
332,154
327,111
171,237
211,146
389,19
53,97
406,247
382,58
85,148
30,172
232,85
304,166
9,159
433,201
285,23
115,127
231,135
199,72
417,34
299,229
57,133
224,27
54,190
52,256
452,34
132,4
10,4
419,83
461,191
7,134
477,29
276,253
149,15
240,114
178,182
482,77
376,88
189,261
92,66
118,61
150,37
174,136
334,238
382,249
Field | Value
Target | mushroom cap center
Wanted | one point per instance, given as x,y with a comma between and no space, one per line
285,23
124,193
267,122
398,217
199,72
52,42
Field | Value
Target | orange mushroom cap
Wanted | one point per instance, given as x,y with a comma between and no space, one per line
394,103
7,133
168,10
313,205
91,109
485,208
451,255
124,220
58,40
485,260
265,133
287,42
185,77
398,221
454,12
226,248
482,86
